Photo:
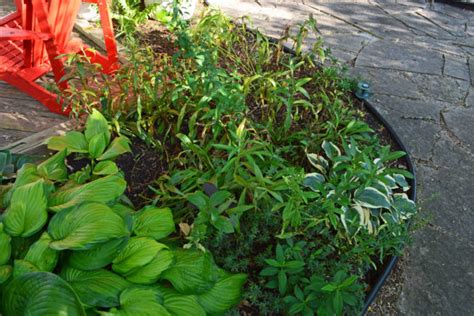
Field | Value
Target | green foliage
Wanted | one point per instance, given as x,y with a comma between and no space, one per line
270,168
92,254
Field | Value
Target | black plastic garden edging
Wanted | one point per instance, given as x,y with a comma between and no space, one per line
391,261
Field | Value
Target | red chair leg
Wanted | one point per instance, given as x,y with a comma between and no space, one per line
49,99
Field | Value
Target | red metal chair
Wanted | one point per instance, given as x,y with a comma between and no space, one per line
33,38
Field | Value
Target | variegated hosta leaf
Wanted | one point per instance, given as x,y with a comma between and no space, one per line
141,301
224,294
5,246
119,146
181,305
54,168
313,180
97,288
27,211
137,253
97,124
40,293
41,255
73,142
151,272
98,256
372,198
102,190
83,227
193,272
403,206
153,222
5,273
330,150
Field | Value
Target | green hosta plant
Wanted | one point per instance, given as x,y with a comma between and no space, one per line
74,247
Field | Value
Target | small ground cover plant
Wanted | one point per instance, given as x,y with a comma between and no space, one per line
71,243
269,164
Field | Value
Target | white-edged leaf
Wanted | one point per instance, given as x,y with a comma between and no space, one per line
372,198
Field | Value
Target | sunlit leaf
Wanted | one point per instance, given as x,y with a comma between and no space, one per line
73,142
153,222
54,168
120,145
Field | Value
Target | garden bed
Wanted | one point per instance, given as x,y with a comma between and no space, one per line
264,177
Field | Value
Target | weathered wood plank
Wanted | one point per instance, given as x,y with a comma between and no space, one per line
27,123
35,142
30,108
9,136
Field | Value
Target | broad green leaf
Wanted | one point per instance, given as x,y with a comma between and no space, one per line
181,305
98,256
223,224
54,168
193,272
5,246
139,301
223,295
104,168
137,253
74,142
151,272
125,212
85,226
97,124
97,288
372,198
102,190
40,294
97,145
198,199
120,145
219,197
5,273
153,222
41,255
21,267
27,212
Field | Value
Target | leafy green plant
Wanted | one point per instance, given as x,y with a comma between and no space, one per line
79,248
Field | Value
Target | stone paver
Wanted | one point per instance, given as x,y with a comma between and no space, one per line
419,60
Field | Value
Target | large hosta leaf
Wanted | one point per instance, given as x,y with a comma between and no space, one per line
40,294
96,124
27,212
193,272
97,257
153,222
83,227
151,272
73,142
100,288
54,168
5,246
181,305
139,301
224,294
41,255
119,145
137,253
102,190
21,267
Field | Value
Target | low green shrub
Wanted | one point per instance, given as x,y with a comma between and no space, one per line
71,244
